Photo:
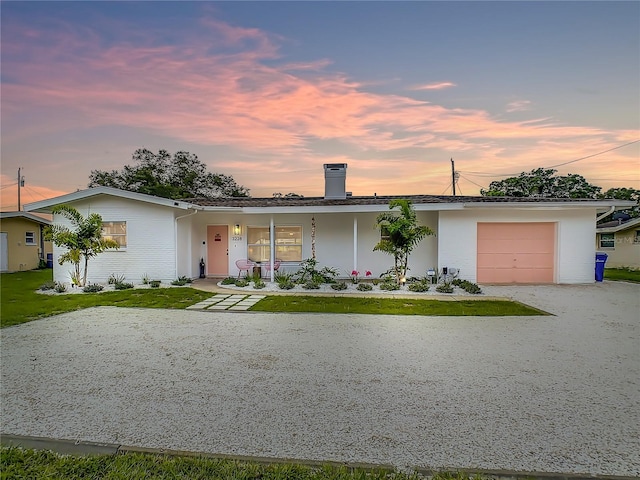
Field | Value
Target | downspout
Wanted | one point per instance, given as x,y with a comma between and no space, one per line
175,239
604,215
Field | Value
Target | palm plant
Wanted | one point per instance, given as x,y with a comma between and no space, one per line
83,242
402,235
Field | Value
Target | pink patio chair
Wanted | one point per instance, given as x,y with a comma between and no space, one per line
276,266
244,265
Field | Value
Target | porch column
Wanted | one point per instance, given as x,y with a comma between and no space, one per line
355,243
272,247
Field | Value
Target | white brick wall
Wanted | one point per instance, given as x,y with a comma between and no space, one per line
150,242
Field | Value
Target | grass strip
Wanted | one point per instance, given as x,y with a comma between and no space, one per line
394,306
622,274
16,462
20,303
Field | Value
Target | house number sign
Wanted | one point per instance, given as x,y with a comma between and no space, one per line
236,238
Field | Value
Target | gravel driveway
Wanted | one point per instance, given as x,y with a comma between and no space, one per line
545,393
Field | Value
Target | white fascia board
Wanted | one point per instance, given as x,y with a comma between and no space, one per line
28,216
45,206
346,208
600,205
211,208
618,228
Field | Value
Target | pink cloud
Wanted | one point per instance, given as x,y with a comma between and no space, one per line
224,86
434,86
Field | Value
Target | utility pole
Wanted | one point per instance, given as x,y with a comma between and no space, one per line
20,184
453,177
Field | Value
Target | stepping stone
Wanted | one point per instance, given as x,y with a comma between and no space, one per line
239,307
218,307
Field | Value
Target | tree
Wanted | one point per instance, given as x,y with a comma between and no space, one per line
179,176
625,194
543,183
85,241
400,235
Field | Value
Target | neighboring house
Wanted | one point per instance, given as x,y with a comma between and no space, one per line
489,239
22,241
620,240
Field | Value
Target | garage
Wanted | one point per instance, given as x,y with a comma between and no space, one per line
516,252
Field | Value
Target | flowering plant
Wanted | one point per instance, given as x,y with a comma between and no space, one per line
356,274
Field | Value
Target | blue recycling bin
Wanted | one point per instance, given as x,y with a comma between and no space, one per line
49,260
601,259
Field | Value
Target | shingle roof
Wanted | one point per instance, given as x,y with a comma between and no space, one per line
370,200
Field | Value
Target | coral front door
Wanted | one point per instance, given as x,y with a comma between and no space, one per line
516,252
217,250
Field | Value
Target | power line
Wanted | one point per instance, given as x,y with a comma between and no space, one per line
487,174
594,155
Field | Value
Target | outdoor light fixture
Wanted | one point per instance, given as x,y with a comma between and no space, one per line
236,229
403,280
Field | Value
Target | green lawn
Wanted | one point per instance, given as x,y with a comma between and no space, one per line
623,274
393,306
19,301
30,464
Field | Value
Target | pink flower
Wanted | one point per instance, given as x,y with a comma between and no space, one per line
368,273
355,273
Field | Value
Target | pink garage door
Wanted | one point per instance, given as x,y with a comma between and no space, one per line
516,252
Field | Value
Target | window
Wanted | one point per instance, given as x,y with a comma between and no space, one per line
636,237
384,234
288,243
30,238
607,240
115,231
258,244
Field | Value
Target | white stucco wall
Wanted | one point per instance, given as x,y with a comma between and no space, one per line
150,242
575,252
334,240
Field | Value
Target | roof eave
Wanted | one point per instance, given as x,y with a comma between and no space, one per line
45,206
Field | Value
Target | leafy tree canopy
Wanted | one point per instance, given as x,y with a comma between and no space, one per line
543,182
625,194
179,176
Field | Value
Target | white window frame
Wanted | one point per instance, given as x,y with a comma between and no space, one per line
636,238
30,238
280,244
118,237
611,240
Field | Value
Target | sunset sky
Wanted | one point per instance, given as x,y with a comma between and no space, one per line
268,92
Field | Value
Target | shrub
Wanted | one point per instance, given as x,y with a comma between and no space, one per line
376,281
228,281
365,287
241,282
93,288
467,286
419,286
154,283
123,286
311,285
179,282
308,273
61,287
48,286
284,280
258,283
113,279
145,279
339,286
42,264
444,288
389,285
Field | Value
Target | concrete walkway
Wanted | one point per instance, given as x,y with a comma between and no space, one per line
224,301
